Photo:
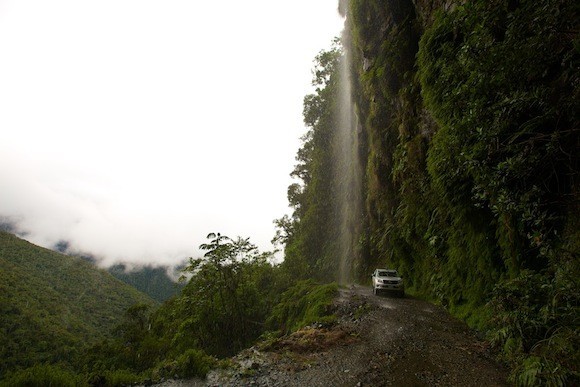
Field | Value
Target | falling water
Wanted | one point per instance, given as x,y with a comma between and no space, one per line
349,173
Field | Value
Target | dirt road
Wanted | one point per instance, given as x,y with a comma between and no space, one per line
378,341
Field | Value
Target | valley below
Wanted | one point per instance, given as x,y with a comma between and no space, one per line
377,340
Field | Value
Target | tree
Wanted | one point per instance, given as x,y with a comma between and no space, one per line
223,307
310,235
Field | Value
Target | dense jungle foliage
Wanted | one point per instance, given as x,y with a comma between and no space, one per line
471,151
470,147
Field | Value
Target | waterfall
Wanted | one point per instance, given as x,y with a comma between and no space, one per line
348,172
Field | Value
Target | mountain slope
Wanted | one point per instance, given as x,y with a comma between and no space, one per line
51,305
150,280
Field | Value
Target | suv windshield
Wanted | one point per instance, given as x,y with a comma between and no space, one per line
390,273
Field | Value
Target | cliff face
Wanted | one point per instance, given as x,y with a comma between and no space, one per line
470,148
397,132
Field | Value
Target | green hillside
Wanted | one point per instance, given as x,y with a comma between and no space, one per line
153,281
52,305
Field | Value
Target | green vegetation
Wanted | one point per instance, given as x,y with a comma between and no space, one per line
153,281
303,304
504,91
536,324
43,375
233,294
223,307
470,148
312,236
470,116
53,306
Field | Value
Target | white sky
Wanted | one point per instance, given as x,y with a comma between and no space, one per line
133,128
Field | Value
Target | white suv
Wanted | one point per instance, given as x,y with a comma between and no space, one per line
387,279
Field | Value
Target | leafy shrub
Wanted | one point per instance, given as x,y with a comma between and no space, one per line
500,79
470,183
223,307
536,325
43,375
194,362
305,303
115,378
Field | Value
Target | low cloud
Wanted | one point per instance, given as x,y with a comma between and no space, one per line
48,206
133,142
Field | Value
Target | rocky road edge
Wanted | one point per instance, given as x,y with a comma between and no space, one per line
377,340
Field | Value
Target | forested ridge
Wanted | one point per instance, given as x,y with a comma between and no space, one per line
462,173
53,306
153,281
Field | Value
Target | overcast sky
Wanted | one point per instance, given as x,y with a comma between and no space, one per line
133,128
